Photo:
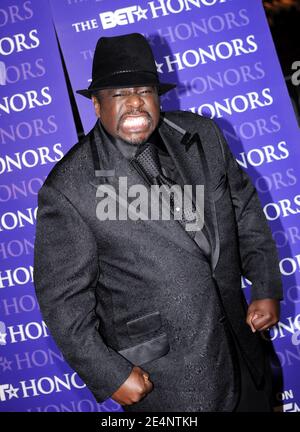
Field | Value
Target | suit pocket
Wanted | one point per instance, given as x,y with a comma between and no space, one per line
150,349
221,187
144,325
147,351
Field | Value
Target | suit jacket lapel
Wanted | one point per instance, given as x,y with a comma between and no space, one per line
187,153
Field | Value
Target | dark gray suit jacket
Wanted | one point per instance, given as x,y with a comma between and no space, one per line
119,293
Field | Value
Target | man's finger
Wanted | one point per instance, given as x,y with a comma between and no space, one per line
250,318
261,321
252,327
149,385
145,375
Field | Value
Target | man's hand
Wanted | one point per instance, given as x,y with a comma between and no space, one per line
263,314
134,388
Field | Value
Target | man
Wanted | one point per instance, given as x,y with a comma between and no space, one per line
149,312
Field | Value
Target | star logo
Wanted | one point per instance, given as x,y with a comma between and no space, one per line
3,333
6,365
141,13
165,97
151,38
8,389
12,392
159,67
3,338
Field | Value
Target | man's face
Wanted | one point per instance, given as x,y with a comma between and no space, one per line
131,114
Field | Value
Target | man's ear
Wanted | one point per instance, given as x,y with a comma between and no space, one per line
96,104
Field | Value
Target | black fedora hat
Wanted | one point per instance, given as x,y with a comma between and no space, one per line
124,61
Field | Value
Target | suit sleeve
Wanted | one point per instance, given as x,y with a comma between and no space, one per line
259,257
65,276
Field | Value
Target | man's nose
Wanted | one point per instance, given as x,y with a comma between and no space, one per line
135,100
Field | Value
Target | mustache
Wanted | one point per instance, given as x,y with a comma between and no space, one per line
135,112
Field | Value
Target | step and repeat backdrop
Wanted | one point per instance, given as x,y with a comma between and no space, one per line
221,55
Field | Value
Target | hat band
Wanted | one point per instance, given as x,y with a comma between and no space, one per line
117,78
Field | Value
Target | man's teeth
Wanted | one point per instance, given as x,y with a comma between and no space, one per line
135,121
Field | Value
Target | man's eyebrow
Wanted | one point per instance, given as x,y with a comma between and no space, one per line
111,91
114,90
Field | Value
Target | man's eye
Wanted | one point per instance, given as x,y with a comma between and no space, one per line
124,94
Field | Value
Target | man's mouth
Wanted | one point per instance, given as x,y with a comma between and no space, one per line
135,122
